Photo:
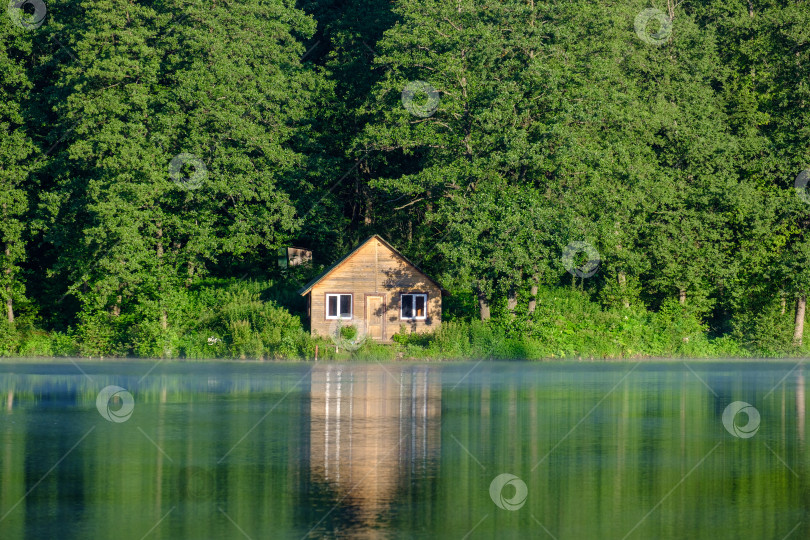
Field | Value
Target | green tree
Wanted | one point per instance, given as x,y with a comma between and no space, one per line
201,92
456,103
16,149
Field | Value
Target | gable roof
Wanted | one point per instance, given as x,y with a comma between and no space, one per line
306,288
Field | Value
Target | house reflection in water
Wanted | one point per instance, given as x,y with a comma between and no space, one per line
373,426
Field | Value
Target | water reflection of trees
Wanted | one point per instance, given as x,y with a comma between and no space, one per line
353,451
371,427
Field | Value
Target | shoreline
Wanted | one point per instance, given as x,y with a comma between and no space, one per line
405,360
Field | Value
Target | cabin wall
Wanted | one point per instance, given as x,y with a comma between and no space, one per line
375,270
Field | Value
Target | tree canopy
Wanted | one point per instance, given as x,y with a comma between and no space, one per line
149,146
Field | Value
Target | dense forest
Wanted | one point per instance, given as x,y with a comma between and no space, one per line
594,178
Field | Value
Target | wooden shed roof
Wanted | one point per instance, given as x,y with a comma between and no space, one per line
306,288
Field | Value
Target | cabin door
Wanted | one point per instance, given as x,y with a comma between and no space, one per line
374,317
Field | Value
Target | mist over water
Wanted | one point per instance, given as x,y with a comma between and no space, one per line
482,450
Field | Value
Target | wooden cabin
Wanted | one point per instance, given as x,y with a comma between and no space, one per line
377,290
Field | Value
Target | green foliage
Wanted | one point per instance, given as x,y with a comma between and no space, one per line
374,352
15,342
37,344
348,332
9,339
99,334
768,332
567,324
677,331
233,320
535,125
63,344
258,329
150,340
453,340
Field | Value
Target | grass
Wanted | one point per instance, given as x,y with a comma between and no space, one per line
221,319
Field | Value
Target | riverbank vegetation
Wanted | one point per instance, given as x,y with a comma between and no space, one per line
155,156
261,320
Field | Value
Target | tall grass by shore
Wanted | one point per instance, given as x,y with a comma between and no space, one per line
263,320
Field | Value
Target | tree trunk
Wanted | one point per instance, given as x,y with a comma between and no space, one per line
9,299
511,302
116,309
483,304
682,296
367,211
784,302
671,5
623,288
622,277
164,319
533,301
798,330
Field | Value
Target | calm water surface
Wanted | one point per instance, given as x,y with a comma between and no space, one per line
216,450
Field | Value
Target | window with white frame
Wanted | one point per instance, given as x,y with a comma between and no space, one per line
413,307
338,306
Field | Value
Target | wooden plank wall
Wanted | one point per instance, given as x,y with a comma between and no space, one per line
376,269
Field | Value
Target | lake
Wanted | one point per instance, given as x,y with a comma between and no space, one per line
174,450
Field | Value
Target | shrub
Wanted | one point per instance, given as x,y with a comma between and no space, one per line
150,340
255,328
63,344
348,332
37,343
202,344
677,331
244,340
375,351
728,347
768,332
452,339
9,339
99,334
